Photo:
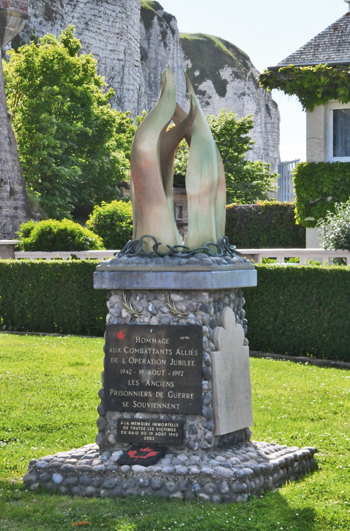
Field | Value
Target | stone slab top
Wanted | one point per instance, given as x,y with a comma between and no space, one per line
105,266
177,262
181,279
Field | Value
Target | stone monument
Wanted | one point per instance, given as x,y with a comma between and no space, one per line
14,203
176,412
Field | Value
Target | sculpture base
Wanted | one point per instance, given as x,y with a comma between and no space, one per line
227,475
183,297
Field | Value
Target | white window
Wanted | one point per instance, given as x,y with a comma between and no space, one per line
179,212
338,132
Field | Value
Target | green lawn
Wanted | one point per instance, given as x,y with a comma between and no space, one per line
48,390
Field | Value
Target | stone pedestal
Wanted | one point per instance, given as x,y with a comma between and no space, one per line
216,460
193,293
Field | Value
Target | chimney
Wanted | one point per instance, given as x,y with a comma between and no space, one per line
348,2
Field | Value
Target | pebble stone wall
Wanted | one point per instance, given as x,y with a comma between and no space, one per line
196,307
219,476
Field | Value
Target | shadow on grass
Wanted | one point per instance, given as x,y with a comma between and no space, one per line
22,510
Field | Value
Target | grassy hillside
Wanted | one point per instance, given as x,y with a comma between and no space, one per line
209,55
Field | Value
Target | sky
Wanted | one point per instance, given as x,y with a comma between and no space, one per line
268,31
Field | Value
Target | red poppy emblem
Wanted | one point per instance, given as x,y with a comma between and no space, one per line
133,453
120,335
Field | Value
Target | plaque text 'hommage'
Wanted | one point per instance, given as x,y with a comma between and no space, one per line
153,369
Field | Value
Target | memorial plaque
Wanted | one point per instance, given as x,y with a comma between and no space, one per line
150,431
154,369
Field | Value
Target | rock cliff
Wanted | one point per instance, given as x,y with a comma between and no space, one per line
160,47
224,77
134,41
14,203
109,29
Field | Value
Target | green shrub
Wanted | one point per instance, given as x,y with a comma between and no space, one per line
318,187
336,228
267,224
52,235
113,223
51,296
300,311
296,310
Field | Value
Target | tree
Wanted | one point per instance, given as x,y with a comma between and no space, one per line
246,181
113,223
67,133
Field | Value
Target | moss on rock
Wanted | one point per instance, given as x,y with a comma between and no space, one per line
208,56
150,9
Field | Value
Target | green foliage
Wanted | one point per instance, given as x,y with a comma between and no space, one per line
48,390
51,296
246,181
65,128
300,310
125,130
180,167
51,235
318,187
264,225
335,232
113,223
313,85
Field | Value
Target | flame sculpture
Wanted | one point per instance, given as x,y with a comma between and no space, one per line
152,173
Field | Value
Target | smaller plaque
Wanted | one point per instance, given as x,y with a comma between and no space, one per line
150,431
139,455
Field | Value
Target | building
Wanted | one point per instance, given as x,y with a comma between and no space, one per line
328,125
180,207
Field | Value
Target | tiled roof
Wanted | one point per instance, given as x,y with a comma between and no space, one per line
332,45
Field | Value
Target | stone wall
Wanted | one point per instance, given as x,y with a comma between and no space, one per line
203,308
108,29
17,5
14,204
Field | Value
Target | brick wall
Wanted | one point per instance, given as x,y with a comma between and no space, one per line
17,5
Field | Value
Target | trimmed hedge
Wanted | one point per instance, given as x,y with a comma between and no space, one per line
268,224
318,186
295,310
51,296
300,311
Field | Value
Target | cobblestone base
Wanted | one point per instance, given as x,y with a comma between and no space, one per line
227,475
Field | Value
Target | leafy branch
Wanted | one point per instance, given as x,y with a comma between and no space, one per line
313,85
172,307
129,307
